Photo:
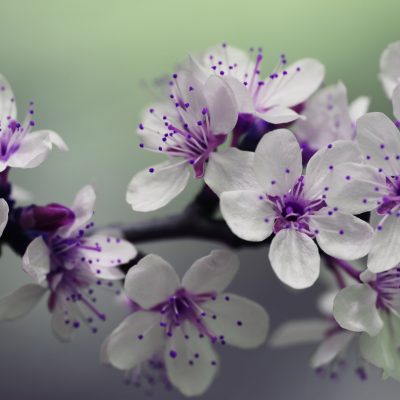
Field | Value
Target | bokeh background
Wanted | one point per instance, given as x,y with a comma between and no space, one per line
89,65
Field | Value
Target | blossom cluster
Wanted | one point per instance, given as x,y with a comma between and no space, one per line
291,163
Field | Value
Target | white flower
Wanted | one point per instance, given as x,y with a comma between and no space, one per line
329,117
4,209
65,264
183,319
373,307
187,129
358,188
265,192
390,68
19,147
270,99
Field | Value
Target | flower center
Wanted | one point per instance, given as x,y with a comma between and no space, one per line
387,287
392,199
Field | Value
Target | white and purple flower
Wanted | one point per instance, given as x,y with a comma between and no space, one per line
19,147
272,99
187,129
66,263
183,319
265,192
390,68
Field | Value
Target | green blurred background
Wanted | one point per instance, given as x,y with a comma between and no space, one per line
84,64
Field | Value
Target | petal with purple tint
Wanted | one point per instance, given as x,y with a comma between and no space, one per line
151,281
4,209
294,258
396,102
242,95
342,235
247,215
212,273
192,363
359,107
20,302
155,187
379,140
322,164
64,320
384,253
106,251
135,340
8,106
278,115
277,162
355,309
230,170
36,261
221,104
238,321
356,188
331,348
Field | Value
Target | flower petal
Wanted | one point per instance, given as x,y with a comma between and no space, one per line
36,261
135,340
151,281
390,67
4,209
20,302
248,216
322,164
277,162
241,322
356,188
359,107
294,258
212,273
242,95
384,254
330,348
301,331
396,102
192,364
231,169
379,140
221,103
278,115
62,330
342,235
150,191
354,309
8,106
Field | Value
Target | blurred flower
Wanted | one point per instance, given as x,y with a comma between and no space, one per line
183,320
390,68
374,185
65,264
187,129
265,192
3,215
19,147
270,99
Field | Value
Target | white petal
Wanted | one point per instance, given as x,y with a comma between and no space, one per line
384,254
221,103
150,191
4,209
342,235
7,100
20,302
194,364
36,261
390,67
242,95
322,164
356,188
135,340
242,322
113,251
301,331
277,162
355,309
303,78
61,330
83,208
278,115
379,139
396,102
231,169
359,107
151,281
55,139
21,196
248,216
212,273
294,258
330,348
